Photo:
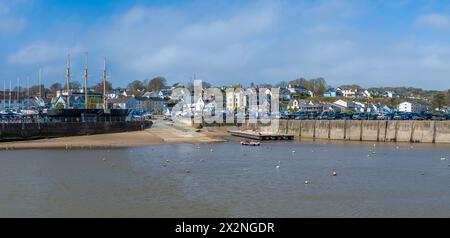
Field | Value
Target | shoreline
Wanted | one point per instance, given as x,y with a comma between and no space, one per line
161,132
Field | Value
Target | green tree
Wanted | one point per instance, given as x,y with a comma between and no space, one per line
55,87
156,84
439,101
350,86
318,86
99,87
448,97
74,85
93,102
300,82
135,86
59,106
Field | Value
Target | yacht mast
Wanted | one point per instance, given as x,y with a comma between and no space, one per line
4,94
9,105
40,79
17,93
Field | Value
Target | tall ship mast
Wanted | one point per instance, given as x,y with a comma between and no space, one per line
105,99
86,103
68,81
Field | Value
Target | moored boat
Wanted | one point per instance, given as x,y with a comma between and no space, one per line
250,143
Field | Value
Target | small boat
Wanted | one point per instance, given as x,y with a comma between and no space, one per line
250,143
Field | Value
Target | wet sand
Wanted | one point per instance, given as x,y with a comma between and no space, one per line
162,132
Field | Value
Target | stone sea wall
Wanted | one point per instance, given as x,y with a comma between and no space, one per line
364,130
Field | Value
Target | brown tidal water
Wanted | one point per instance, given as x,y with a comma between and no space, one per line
229,180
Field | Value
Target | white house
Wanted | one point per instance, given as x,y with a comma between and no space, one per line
236,100
367,94
411,107
343,105
349,93
199,105
293,104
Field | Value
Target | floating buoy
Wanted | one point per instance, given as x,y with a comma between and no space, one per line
211,150
103,159
277,166
306,182
334,173
293,151
167,161
188,171
443,158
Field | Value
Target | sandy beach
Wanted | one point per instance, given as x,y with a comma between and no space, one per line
162,132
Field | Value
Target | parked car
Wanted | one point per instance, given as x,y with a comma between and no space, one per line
360,116
438,117
382,117
343,116
417,117
326,116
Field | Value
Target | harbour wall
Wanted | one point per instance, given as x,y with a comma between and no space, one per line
27,131
363,130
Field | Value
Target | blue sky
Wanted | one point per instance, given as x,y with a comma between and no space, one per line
371,43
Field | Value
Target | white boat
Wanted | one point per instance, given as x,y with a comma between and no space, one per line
250,143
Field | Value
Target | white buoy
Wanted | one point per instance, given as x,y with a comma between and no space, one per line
306,182
334,173
293,151
443,158
277,166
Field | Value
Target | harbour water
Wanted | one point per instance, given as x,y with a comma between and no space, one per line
229,180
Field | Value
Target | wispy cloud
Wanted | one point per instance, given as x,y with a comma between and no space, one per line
257,41
43,52
9,22
434,20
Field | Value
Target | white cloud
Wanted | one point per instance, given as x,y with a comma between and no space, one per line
259,42
166,40
434,20
12,24
42,53
9,22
